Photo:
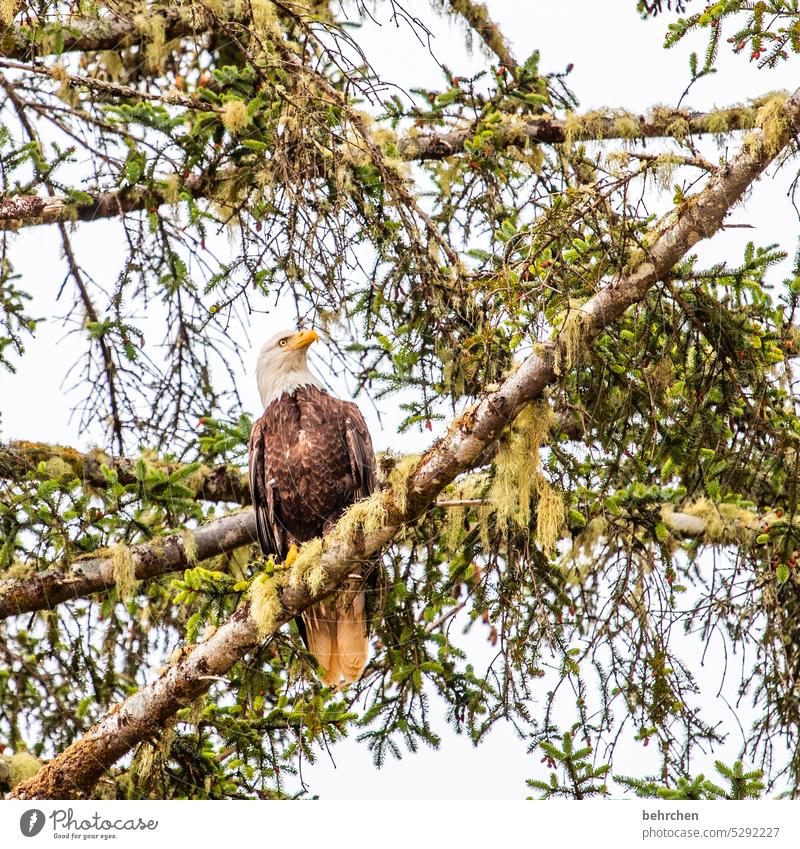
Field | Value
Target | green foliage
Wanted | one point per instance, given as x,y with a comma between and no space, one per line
741,785
574,775
672,435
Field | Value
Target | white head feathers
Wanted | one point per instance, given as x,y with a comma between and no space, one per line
282,365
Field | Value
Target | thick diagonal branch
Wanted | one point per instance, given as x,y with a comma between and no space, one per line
477,16
143,715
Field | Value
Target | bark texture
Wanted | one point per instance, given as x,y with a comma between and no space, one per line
142,715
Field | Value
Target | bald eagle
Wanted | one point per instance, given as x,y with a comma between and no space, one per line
311,457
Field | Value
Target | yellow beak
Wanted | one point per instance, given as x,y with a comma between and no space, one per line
302,340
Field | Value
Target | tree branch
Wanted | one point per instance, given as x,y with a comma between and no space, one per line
44,590
88,35
217,483
141,716
594,126
125,92
477,16
31,210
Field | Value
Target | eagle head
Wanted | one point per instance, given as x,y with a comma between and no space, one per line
282,364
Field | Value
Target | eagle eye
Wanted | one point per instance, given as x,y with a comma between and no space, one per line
283,342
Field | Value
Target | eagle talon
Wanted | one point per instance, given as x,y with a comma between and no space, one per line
291,556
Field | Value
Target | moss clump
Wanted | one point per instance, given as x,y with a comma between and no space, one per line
57,468
679,128
265,20
124,571
190,547
715,122
717,523
8,9
627,126
307,567
771,117
21,767
234,116
265,605
363,518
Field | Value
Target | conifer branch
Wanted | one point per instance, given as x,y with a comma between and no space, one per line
111,32
217,483
124,92
31,210
44,590
142,716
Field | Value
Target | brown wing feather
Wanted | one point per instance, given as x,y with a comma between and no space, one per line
271,533
359,449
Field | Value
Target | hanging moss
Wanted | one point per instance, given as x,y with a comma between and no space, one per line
771,117
569,337
153,29
519,480
265,605
663,169
124,571
190,547
398,480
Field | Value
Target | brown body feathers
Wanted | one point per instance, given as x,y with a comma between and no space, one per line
311,457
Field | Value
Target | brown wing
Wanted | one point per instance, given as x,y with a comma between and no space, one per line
271,533
359,449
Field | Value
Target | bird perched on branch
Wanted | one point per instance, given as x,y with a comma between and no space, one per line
311,457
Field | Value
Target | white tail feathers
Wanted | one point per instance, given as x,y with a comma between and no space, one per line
337,637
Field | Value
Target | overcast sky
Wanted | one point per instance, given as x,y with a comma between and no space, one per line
618,61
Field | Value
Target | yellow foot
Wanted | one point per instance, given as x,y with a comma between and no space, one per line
291,556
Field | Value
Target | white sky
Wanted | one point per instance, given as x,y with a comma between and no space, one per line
618,61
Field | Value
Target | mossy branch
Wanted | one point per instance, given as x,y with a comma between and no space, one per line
110,32
593,126
123,566
21,211
77,769
477,16
209,483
